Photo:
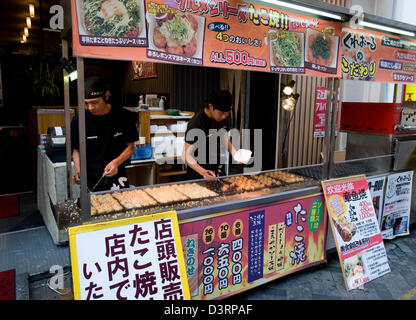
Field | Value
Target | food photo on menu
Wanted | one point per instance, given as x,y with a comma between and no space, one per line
175,36
321,53
116,23
287,52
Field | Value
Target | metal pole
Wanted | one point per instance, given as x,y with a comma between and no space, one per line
85,202
327,138
333,128
67,123
277,161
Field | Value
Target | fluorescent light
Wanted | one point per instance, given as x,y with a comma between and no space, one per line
31,10
385,28
305,9
28,22
26,31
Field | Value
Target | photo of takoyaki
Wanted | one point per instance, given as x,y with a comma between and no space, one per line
321,48
178,33
112,18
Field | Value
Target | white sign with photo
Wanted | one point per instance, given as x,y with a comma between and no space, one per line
396,211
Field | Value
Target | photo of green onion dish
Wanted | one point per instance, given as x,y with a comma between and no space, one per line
115,18
287,49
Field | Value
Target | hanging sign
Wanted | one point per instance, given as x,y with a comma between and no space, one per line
226,34
131,259
320,112
398,199
356,232
234,251
374,56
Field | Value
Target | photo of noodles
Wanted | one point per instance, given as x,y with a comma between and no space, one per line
321,49
177,33
287,50
112,18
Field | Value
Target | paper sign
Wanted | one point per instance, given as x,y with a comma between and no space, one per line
355,228
131,259
396,213
376,187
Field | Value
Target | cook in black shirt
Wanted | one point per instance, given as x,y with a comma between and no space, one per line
206,138
110,135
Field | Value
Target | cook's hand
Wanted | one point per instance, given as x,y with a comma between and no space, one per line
77,178
111,169
207,174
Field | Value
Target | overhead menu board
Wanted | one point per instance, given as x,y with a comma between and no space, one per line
374,56
356,231
226,34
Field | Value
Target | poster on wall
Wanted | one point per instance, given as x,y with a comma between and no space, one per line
138,258
376,186
143,70
356,231
234,251
397,202
374,56
226,34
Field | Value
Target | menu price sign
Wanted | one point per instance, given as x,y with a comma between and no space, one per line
355,228
234,251
396,213
138,258
228,34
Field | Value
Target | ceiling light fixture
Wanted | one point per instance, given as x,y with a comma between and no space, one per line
31,10
28,22
305,9
386,28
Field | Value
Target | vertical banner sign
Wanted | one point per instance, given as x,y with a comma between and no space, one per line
355,228
374,56
320,112
396,213
225,34
234,251
376,187
131,259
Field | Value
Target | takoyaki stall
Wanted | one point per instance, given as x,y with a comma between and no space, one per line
238,231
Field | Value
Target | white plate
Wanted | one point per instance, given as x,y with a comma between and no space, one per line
242,155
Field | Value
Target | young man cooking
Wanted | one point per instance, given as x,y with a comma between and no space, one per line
206,137
110,135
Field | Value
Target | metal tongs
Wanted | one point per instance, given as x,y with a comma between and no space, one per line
98,182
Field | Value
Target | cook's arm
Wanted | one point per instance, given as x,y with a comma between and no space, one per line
75,158
111,168
191,162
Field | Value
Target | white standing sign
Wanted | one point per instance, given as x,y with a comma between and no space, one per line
131,259
396,212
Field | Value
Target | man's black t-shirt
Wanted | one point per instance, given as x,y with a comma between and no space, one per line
106,138
206,125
